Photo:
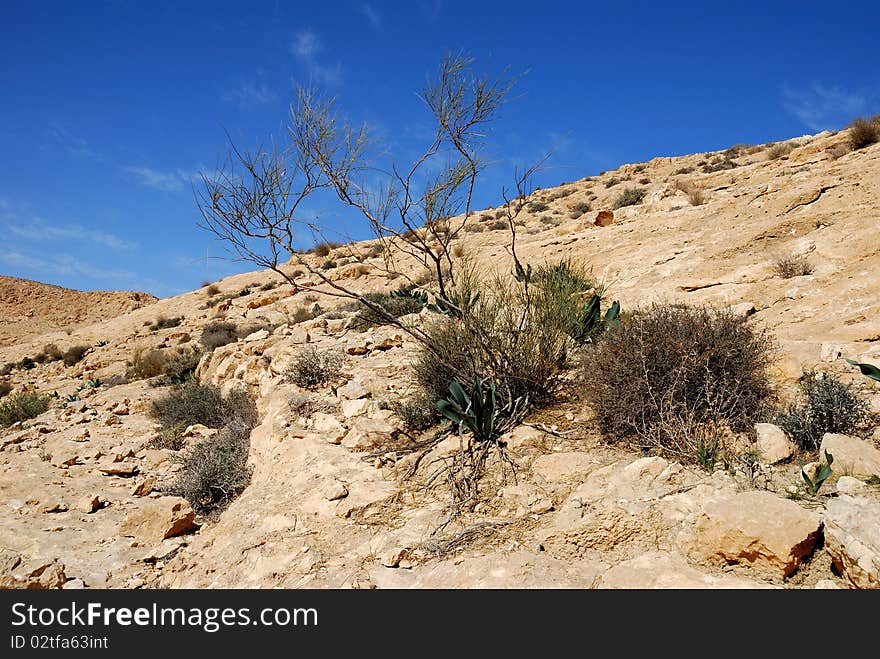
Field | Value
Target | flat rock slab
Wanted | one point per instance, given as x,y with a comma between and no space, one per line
658,570
754,528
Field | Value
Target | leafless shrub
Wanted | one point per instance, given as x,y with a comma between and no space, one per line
864,132
676,378
793,265
312,368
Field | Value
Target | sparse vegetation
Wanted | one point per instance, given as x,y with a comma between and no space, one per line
5,388
146,363
165,323
826,405
864,132
629,197
22,406
218,333
312,368
74,355
779,149
403,301
193,402
537,207
579,209
676,378
323,248
416,413
181,365
215,470
792,265
49,353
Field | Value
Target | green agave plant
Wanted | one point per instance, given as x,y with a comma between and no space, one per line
821,476
867,369
476,413
592,321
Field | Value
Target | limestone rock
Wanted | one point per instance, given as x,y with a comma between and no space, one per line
124,469
658,570
352,408
604,218
74,584
562,467
352,390
850,485
755,528
143,487
157,519
334,490
773,444
852,538
852,456
367,434
88,504
328,426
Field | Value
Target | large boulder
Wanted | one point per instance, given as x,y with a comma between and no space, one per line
754,528
773,444
852,456
157,519
852,538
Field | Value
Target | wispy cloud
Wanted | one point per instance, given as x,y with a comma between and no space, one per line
821,107
38,231
72,144
306,47
249,94
20,221
373,17
63,265
431,9
151,178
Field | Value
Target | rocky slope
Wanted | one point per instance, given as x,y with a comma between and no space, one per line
344,499
30,308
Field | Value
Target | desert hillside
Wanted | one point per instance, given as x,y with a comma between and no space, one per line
343,494
30,308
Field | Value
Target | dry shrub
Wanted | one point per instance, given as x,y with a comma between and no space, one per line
193,402
215,471
5,388
165,323
212,290
22,406
397,304
696,197
417,413
146,364
520,342
312,368
181,365
864,132
825,405
792,265
49,353
218,333
74,355
629,197
677,378
780,149
323,248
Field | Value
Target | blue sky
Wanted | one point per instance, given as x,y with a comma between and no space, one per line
110,108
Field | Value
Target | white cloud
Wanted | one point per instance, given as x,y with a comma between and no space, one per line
151,178
75,146
373,17
306,46
60,265
820,107
36,230
249,94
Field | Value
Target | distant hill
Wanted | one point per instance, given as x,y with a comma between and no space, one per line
30,308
